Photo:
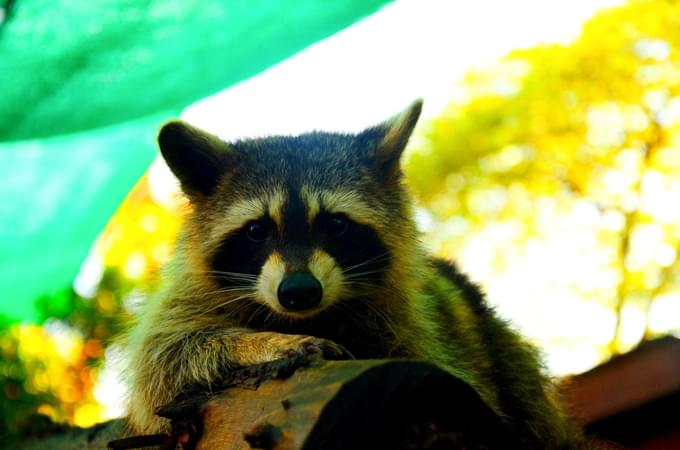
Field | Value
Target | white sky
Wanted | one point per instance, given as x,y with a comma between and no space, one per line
366,73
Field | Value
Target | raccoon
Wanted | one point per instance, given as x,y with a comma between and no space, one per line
307,244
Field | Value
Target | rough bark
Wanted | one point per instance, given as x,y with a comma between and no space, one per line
313,404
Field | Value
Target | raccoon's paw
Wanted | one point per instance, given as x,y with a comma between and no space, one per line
310,345
256,348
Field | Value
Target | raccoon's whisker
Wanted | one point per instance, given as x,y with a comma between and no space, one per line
347,311
233,300
233,289
229,289
271,315
254,314
237,280
235,275
362,264
261,309
375,259
362,283
363,278
356,289
228,302
222,272
229,275
353,273
396,294
238,309
350,276
380,315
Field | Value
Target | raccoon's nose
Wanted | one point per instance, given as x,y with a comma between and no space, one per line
299,291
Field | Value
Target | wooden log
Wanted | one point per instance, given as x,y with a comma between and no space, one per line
342,405
312,404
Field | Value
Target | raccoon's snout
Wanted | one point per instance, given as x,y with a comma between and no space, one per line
299,291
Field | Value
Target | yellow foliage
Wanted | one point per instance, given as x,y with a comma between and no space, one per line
576,149
56,365
140,236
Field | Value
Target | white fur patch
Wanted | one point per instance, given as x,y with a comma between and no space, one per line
268,282
324,268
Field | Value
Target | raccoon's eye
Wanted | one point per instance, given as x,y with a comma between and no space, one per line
257,232
336,225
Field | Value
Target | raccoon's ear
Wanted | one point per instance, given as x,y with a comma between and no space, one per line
390,138
197,158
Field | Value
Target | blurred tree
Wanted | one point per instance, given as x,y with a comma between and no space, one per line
51,369
592,128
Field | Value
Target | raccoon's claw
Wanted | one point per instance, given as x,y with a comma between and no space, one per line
327,349
316,346
337,351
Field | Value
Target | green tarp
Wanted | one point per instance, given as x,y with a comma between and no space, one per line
83,88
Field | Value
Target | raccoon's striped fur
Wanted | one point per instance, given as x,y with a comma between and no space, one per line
301,243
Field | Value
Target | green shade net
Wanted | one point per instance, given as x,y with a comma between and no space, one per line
84,86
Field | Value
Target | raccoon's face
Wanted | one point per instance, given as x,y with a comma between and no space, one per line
300,248
295,223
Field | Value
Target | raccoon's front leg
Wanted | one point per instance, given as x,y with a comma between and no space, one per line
248,348
164,364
